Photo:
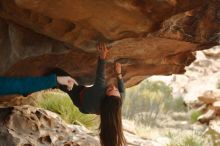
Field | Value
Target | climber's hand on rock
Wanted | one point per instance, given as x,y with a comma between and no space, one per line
102,50
118,70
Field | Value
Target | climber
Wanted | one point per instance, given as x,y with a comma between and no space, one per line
101,99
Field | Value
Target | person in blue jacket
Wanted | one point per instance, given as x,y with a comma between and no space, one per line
27,85
102,98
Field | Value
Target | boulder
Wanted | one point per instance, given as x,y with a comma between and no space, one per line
216,106
210,97
207,116
27,125
147,37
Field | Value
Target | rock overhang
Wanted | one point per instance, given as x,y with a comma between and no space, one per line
147,37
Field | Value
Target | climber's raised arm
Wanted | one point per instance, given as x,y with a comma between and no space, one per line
100,71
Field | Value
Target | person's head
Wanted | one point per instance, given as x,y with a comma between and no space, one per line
111,131
112,91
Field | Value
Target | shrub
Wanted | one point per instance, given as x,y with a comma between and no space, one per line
214,136
188,139
151,97
61,104
175,104
194,115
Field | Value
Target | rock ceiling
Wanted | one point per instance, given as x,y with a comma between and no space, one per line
148,37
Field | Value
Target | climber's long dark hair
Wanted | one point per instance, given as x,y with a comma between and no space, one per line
111,130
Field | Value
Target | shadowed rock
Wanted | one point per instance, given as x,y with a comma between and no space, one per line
147,37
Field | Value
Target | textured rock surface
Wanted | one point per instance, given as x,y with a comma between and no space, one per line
147,37
30,126
202,76
211,114
210,106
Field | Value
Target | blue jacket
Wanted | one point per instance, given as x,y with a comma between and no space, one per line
26,85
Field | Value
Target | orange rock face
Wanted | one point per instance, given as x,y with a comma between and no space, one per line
27,125
147,37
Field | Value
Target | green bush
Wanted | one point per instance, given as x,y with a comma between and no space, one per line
175,104
214,136
187,141
152,98
190,139
194,115
61,104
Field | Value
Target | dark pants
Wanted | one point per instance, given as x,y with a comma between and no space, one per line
75,94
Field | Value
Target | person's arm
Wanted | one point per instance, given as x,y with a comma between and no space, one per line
26,85
121,86
100,71
120,81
